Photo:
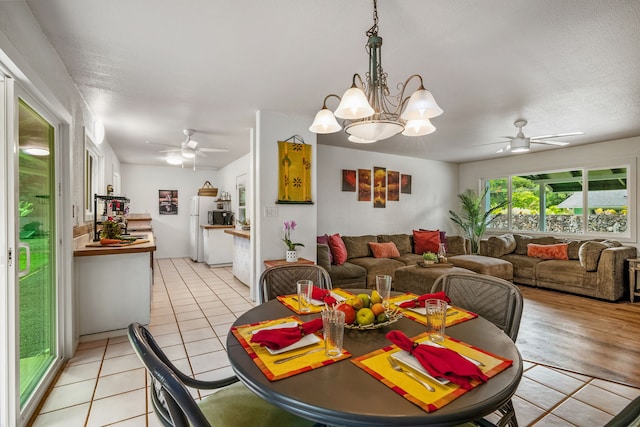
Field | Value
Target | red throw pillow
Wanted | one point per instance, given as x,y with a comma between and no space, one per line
426,241
324,240
384,250
557,251
338,249
443,238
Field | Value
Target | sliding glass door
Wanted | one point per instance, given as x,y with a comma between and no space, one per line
37,307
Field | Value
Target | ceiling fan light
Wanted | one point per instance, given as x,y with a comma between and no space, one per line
418,128
354,105
520,145
357,140
325,122
174,160
421,106
188,154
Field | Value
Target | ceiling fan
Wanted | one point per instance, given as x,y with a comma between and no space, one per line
189,148
521,143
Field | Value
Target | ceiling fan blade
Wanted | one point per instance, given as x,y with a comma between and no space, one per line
558,135
199,153
170,151
214,150
558,143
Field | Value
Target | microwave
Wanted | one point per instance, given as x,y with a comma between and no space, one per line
220,217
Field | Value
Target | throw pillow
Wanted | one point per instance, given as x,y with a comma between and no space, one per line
498,246
557,251
443,238
523,240
324,240
589,255
426,241
402,241
338,249
384,250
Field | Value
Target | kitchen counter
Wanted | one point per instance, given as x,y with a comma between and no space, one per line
246,234
113,287
149,246
207,226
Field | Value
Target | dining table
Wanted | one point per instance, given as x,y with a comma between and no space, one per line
344,394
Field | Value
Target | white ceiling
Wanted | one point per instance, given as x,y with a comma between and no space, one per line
150,68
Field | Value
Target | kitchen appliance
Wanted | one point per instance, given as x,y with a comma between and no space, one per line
200,205
220,217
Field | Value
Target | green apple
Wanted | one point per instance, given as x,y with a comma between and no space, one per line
382,317
366,300
365,316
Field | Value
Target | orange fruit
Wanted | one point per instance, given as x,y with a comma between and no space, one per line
377,308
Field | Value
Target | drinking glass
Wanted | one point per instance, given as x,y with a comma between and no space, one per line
305,288
383,286
436,310
333,324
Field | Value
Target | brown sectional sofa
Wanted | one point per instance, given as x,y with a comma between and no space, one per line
361,267
595,268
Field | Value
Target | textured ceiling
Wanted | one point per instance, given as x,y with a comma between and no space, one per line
150,68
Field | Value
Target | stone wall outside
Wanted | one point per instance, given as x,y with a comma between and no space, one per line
598,223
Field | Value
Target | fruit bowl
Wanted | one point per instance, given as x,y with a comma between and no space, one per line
393,315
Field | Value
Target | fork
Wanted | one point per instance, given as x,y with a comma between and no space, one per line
396,366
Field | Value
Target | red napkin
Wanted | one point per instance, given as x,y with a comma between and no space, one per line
279,338
322,295
440,362
420,301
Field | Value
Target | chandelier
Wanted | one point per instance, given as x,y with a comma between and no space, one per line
369,112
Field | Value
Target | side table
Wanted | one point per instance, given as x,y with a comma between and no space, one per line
634,266
273,262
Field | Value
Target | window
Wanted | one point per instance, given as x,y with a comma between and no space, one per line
554,202
91,175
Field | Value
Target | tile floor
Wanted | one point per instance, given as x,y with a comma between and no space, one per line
104,383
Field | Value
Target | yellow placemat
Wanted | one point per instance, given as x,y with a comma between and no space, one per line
455,314
377,365
265,360
291,301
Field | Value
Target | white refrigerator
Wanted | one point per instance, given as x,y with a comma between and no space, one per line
198,215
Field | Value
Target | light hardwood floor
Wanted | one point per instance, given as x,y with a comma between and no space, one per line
580,334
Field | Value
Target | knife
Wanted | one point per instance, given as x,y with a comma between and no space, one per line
286,359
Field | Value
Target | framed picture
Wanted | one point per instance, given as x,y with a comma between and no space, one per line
393,186
379,187
364,185
348,180
168,202
405,184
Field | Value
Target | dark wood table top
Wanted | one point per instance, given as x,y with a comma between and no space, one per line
343,394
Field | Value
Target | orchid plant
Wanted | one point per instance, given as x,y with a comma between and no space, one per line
289,226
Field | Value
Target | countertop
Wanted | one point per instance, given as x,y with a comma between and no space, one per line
216,226
239,233
149,246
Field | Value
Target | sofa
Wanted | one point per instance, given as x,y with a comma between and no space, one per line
594,267
361,266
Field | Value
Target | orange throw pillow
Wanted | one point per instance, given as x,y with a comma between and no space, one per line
426,241
338,249
557,251
384,250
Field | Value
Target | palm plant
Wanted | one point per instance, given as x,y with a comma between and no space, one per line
473,218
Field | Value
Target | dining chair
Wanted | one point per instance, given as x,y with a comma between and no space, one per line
233,405
497,300
281,279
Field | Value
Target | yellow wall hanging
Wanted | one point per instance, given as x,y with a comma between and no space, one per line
294,173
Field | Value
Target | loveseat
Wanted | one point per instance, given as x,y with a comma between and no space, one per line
595,267
361,265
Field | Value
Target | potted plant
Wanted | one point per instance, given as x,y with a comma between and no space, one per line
430,258
473,218
292,254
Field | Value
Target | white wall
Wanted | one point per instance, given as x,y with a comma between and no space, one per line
271,128
227,177
141,184
434,189
606,154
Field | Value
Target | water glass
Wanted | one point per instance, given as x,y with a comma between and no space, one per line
305,288
333,324
383,286
436,310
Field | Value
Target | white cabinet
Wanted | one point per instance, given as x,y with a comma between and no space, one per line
218,246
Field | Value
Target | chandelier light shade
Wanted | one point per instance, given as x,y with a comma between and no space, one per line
368,111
